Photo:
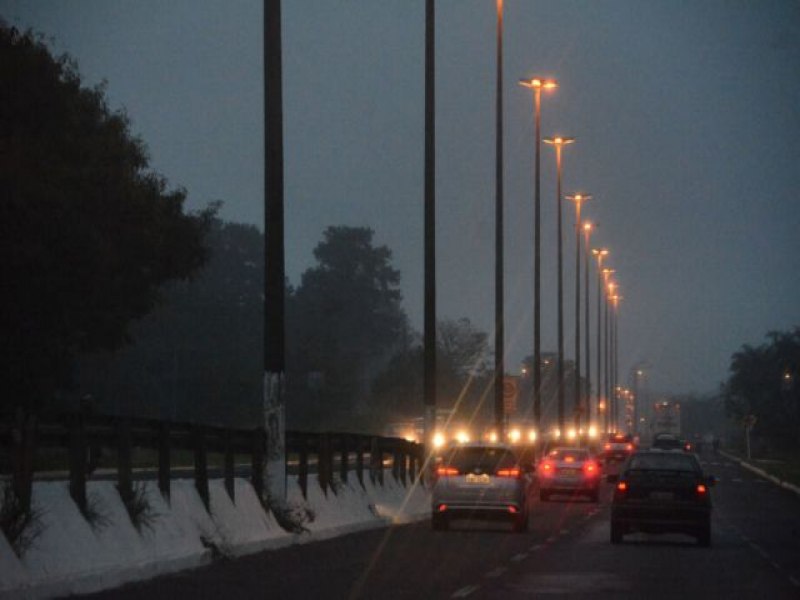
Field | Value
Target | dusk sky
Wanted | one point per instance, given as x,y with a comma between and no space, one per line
686,114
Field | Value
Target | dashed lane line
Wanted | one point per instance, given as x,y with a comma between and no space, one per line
519,557
551,539
494,573
761,551
564,532
465,591
794,580
536,547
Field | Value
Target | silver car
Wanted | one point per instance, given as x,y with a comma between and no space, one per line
569,471
482,480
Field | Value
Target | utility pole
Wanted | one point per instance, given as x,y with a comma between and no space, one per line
499,342
274,403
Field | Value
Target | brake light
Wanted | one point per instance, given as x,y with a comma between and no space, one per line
622,486
513,510
547,468
590,468
446,471
629,447
607,447
442,507
508,472
701,489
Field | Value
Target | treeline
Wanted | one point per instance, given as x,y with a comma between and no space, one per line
763,383
353,362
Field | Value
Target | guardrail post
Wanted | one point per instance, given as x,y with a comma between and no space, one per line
374,460
302,467
324,468
164,460
396,454
257,471
412,463
23,451
229,466
201,465
403,454
77,461
344,463
124,466
360,460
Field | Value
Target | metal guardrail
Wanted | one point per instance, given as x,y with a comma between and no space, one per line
87,437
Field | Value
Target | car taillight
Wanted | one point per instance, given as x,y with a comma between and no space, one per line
442,507
547,468
607,447
629,447
701,489
622,487
446,471
513,509
590,468
508,472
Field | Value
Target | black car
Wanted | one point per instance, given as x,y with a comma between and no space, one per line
667,441
662,492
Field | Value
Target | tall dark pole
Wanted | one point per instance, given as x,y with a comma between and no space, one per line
577,383
560,298
599,336
499,362
588,387
605,363
429,375
274,276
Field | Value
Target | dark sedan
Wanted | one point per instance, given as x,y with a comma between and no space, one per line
662,492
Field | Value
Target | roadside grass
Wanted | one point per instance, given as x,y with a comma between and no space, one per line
781,464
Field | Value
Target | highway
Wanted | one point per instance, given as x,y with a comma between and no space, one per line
566,553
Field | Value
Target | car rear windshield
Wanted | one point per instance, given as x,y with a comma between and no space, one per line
576,455
485,459
662,462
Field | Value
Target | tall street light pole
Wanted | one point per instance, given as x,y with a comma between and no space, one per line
606,347
615,354
274,403
429,374
587,231
599,254
558,143
537,84
578,199
499,362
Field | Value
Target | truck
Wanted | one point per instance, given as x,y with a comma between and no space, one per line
666,418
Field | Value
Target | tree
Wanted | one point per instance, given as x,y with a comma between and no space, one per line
345,324
764,382
198,356
88,233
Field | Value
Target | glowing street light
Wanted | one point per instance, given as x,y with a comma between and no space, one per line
578,199
558,142
537,84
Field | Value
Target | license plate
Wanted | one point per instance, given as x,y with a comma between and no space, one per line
662,495
570,472
478,479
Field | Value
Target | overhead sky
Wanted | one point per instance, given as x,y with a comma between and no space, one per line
686,115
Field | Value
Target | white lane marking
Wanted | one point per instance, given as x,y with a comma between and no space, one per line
519,557
551,539
536,547
736,480
775,565
496,572
761,551
795,581
465,591
564,532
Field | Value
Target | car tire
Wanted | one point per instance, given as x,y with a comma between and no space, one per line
439,522
616,532
544,495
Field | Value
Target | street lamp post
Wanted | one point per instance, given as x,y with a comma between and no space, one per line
615,353
558,143
600,254
537,84
578,199
612,389
587,231
499,353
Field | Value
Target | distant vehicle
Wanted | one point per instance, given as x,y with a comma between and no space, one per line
617,448
667,441
569,471
667,417
661,492
484,480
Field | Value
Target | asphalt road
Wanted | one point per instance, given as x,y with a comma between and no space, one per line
755,553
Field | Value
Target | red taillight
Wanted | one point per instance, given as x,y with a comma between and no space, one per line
607,447
701,489
513,510
547,468
445,471
442,507
629,447
508,472
622,486
590,468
